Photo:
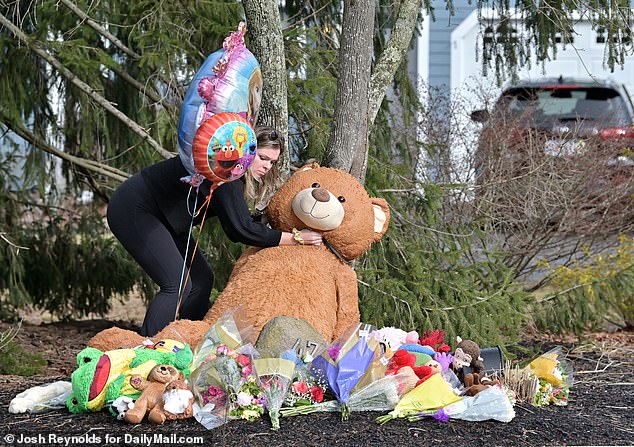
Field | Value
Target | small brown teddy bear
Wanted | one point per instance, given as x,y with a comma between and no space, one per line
314,283
473,384
152,394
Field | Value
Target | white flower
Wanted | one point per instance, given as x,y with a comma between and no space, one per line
244,399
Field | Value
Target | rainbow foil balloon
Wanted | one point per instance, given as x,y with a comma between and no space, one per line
229,80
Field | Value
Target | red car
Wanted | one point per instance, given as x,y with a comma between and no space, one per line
561,128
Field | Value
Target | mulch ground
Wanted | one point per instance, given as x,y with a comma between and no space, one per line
599,414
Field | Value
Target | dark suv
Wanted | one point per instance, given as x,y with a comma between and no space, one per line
560,127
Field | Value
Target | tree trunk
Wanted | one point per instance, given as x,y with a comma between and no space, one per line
266,42
393,54
348,145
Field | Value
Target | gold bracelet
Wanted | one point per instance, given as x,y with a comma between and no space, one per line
297,236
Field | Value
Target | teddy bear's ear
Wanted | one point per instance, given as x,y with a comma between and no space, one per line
381,217
308,166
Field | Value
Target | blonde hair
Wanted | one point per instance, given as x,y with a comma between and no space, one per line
259,191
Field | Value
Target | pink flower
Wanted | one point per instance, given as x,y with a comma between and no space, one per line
246,371
222,350
317,394
300,387
243,360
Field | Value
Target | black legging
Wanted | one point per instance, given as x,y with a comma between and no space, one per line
136,221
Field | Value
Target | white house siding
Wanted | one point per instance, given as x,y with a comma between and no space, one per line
582,59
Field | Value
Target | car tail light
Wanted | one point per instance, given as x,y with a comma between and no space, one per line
610,133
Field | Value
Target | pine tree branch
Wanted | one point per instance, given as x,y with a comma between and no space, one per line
90,165
393,54
150,93
100,29
134,126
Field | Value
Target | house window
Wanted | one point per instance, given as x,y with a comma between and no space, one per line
501,33
622,36
565,38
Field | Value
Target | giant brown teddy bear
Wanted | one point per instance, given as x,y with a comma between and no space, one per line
314,283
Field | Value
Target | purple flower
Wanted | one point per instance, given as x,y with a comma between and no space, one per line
441,415
333,352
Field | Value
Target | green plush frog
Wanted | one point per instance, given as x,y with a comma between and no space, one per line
101,377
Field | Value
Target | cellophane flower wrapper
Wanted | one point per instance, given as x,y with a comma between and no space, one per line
274,376
217,385
555,375
491,403
431,395
344,363
380,395
231,330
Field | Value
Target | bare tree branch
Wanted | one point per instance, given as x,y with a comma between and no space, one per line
84,87
100,29
90,165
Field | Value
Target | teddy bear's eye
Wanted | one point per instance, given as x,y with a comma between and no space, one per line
341,199
315,185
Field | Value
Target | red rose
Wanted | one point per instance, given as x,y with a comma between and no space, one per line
317,394
243,360
300,387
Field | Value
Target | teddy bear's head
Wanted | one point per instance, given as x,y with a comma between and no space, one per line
164,374
334,203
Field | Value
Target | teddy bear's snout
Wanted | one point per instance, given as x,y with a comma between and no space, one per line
318,208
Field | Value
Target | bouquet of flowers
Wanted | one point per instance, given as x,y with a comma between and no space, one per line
225,387
345,362
555,378
432,394
231,330
274,376
305,389
380,395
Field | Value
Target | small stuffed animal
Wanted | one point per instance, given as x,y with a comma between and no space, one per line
402,359
152,394
473,384
178,402
467,354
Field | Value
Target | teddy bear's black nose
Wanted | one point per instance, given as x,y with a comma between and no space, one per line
321,195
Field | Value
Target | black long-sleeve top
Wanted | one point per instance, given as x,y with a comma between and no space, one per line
227,203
